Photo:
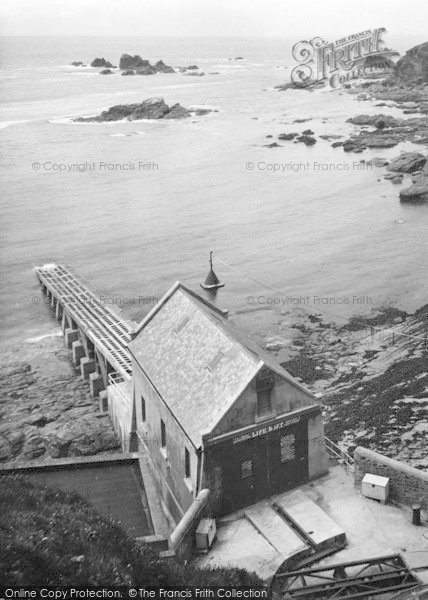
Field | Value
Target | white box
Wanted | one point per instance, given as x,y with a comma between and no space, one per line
205,534
376,487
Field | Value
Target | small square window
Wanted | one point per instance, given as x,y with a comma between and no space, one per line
246,469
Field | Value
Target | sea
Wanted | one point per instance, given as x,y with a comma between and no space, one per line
135,206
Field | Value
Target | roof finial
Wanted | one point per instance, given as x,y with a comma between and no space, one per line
211,282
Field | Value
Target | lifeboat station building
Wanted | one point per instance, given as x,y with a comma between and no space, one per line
213,410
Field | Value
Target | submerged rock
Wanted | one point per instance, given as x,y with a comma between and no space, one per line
306,139
194,73
106,72
128,72
147,70
287,136
77,63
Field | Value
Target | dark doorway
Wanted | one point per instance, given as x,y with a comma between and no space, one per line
262,466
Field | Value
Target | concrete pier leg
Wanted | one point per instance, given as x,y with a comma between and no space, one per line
53,300
87,366
71,335
58,311
103,398
78,352
96,384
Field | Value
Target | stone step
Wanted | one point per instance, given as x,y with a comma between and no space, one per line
277,531
307,517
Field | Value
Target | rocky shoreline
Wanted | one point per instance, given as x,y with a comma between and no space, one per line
405,88
371,375
46,410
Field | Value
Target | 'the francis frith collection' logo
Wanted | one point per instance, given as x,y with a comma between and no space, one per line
355,56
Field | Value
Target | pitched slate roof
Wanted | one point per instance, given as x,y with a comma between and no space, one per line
196,359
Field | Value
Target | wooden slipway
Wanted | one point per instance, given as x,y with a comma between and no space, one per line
314,524
277,531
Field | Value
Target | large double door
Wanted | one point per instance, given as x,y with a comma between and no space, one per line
262,466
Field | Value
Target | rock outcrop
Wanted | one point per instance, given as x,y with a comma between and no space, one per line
152,108
418,191
77,63
374,386
49,416
388,132
142,66
102,63
161,67
132,62
407,162
413,66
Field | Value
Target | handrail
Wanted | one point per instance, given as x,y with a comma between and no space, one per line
335,452
115,380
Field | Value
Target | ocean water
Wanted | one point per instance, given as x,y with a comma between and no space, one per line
320,228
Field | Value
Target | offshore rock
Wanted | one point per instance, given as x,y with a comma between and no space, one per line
142,66
102,63
152,108
132,62
161,67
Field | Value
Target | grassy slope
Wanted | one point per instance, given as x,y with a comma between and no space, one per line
49,537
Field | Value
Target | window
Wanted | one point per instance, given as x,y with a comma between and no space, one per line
186,463
163,434
143,409
287,447
264,386
264,405
246,469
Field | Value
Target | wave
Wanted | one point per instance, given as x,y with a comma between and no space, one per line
4,124
39,338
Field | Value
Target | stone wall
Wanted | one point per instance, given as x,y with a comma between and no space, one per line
407,484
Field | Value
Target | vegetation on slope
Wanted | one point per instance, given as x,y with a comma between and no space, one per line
49,537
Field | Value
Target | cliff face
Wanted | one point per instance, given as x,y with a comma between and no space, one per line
413,65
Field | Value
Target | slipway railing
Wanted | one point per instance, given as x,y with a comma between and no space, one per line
343,457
